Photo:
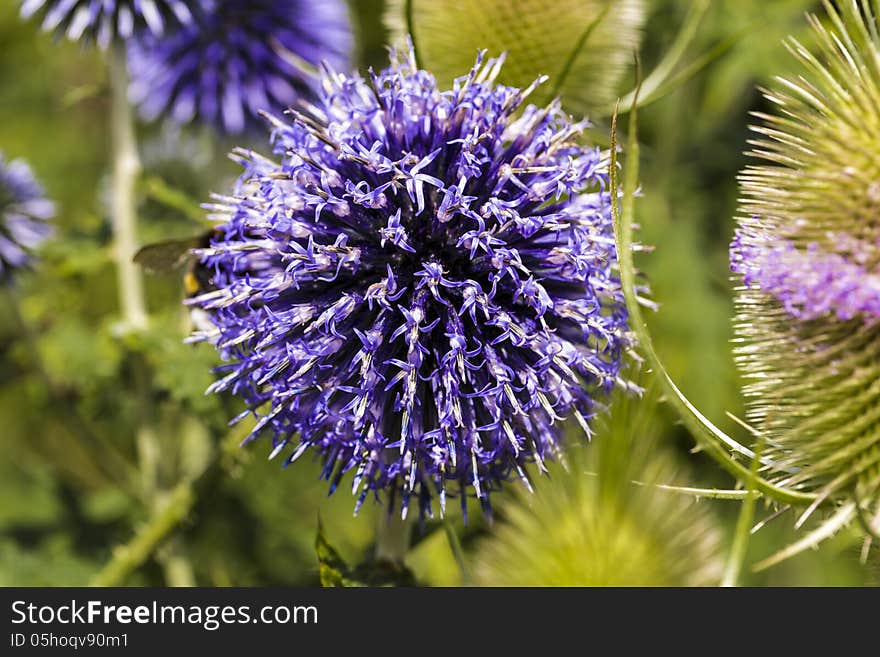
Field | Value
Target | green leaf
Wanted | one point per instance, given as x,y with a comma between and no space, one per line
335,572
77,355
182,370
53,563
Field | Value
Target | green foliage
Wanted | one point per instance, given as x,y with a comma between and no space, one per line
52,564
182,371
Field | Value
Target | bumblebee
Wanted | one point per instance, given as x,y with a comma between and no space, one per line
178,256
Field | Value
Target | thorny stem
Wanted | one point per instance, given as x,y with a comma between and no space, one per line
126,167
709,437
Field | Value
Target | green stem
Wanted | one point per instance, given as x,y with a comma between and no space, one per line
132,305
171,510
126,167
175,564
128,558
743,531
708,436
457,551
648,88
161,192
392,538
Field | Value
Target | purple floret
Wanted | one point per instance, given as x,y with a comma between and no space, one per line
104,21
420,285
812,282
24,213
237,58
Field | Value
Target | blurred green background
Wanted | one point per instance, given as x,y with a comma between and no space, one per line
70,489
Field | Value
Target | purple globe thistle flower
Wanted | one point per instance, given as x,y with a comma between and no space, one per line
239,57
106,20
24,212
422,287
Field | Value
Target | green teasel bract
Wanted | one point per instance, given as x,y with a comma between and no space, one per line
585,46
602,519
808,339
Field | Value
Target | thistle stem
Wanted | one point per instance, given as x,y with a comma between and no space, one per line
457,552
169,512
132,306
126,167
393,538
128,558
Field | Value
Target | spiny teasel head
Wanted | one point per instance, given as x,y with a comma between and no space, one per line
808,248
592,525
105,21
237,58
585,46
421,285
24,213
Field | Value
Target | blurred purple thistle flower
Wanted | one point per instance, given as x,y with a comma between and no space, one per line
237,58
104,21
423,288
24,212
810,283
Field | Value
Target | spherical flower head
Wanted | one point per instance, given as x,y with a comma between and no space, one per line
105,21
422,286
586,45
24,212
573,532
807,251
237,58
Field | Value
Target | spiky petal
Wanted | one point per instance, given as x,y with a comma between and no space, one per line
237,58
422,286
24,213
104,21
809,340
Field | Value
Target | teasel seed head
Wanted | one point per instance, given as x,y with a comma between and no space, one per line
585,46
808,249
